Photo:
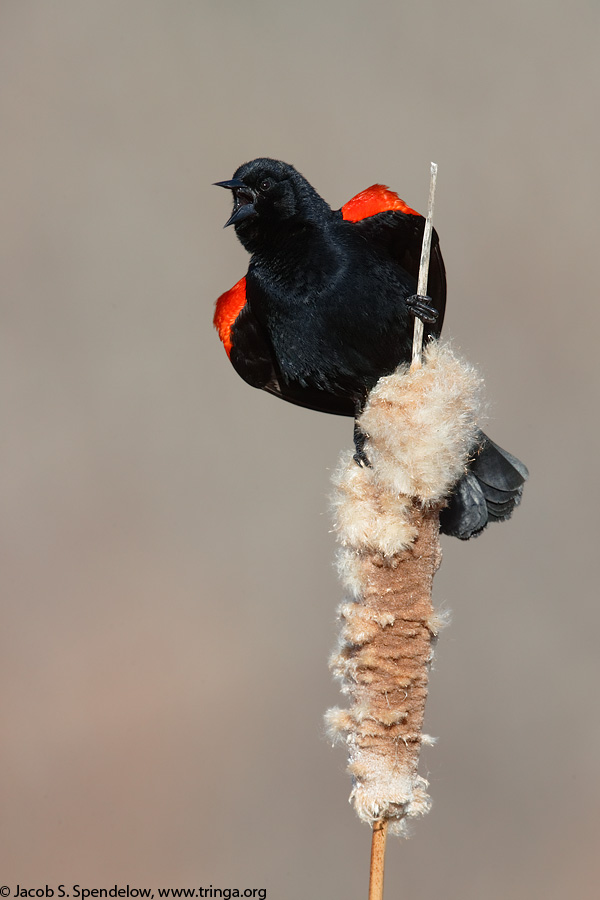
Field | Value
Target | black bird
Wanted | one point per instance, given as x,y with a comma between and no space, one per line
327,308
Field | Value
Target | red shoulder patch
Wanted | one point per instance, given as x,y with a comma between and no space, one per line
375,199
229,306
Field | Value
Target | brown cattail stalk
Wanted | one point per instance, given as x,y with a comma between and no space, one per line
377,869
421,427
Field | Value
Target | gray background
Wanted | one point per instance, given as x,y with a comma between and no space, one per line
168,592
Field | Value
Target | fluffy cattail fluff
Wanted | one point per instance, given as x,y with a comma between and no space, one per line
421,428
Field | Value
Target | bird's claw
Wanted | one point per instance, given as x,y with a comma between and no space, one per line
421,308
360,439
361,459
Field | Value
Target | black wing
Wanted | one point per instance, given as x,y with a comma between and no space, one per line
253,359
401,236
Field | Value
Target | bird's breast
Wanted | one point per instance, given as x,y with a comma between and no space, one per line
331,315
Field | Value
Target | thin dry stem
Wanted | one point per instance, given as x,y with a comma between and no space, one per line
424,269
378,841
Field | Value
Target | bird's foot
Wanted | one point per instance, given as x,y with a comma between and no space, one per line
360,439
421,307
361,459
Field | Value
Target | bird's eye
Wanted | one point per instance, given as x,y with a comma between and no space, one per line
265,184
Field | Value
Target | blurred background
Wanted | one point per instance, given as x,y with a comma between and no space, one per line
168,593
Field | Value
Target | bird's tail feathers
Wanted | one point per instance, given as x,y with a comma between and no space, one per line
488,492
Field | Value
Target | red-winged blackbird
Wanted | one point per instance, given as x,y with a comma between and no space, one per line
327,308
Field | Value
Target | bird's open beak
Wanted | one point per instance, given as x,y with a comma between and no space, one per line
243,200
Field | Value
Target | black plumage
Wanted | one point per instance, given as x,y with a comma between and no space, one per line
329,309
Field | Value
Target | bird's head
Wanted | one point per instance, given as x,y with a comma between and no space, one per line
269,198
